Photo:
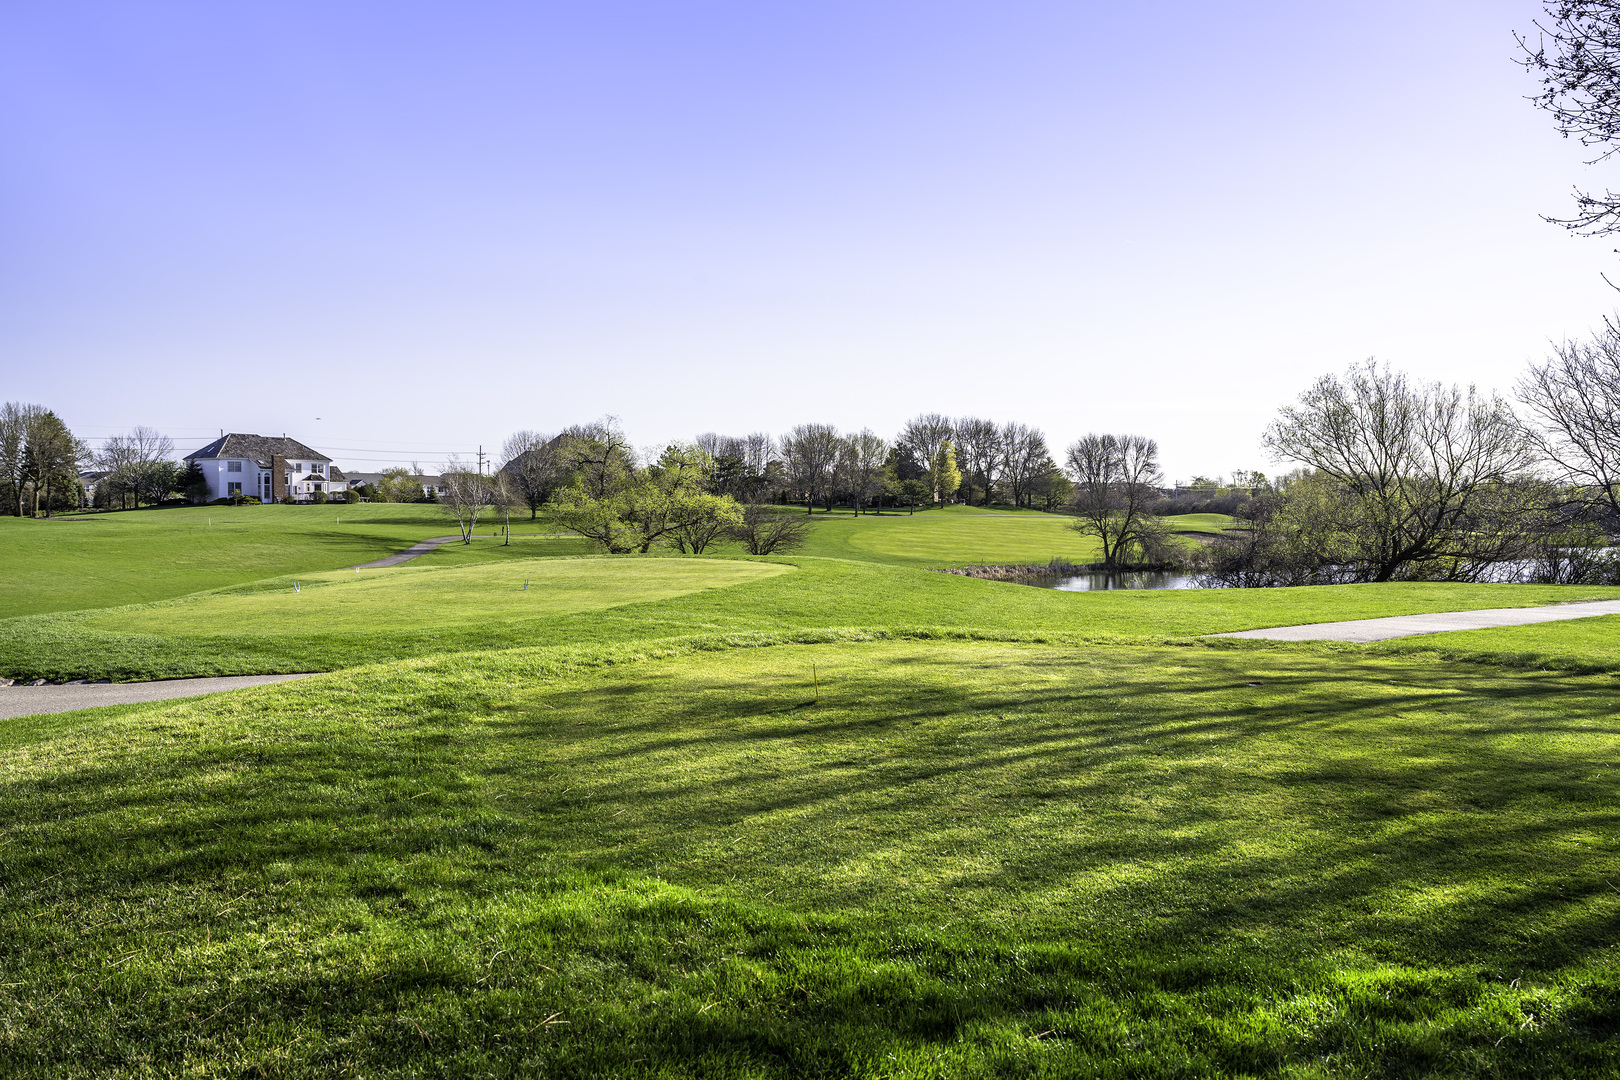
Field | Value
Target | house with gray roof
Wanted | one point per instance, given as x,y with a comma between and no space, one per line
265,466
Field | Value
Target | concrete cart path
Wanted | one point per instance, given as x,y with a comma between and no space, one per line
425,546
1399,626
420,548
18,701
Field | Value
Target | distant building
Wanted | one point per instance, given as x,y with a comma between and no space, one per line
265,466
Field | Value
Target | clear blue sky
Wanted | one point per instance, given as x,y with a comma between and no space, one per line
431,224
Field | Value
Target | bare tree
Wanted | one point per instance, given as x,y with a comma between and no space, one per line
531,468
809,454
764,532
16,418
861,462
1116,479
979,454
1576,57
464,494
1575,394
1416,466
140,464
504,497
925,436
1024,456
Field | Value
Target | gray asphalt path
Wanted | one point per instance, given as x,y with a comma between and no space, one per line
1399,626
18,701
425,546
419,548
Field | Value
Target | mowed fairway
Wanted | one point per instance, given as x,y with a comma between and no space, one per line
415,598
104,560
347,619
966,860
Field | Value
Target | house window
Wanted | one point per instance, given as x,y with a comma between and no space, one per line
233,466
298,466
234,487
317,468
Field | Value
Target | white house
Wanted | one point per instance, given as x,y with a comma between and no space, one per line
265,466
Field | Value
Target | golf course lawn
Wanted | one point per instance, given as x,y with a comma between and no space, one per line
102,560
968,536
964,859
952,536
413,597
346,619
798,816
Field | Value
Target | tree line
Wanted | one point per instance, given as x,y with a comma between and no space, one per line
1402,480
41,461
1393,479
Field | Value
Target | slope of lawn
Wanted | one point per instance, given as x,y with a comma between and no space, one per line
350,619
951,536
102,560
414,597
970,536
965,860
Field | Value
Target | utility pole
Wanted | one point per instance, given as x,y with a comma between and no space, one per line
480,459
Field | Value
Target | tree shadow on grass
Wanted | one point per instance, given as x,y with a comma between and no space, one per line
963,848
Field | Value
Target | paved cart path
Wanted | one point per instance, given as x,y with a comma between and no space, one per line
1399,626
18,701
425,546
420,548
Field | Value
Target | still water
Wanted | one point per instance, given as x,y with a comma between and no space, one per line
1145,579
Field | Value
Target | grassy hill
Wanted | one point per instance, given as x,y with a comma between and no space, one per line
103,560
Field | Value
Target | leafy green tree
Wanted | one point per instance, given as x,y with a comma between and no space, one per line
915,491
627,508
947,477
50,457
397,485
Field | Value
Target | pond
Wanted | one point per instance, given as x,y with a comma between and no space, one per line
1099,581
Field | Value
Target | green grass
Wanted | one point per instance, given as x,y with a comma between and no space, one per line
968,860
103,560
969,536
353,619
415,597
1576,645
803,816
951,536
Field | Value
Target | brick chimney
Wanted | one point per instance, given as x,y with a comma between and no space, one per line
278,478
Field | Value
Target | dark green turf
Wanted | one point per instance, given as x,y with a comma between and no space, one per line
966,860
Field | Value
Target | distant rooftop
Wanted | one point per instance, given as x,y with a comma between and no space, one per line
258,447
